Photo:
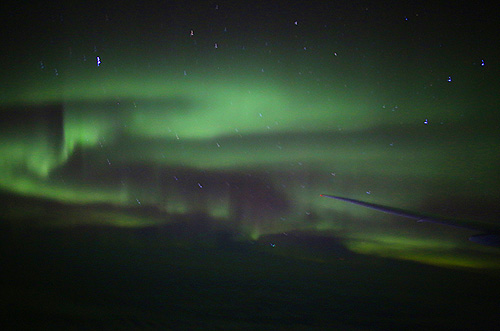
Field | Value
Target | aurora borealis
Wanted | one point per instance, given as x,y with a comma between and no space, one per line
136,115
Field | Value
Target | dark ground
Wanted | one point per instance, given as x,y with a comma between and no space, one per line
164,278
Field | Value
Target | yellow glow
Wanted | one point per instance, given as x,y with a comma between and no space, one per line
428,251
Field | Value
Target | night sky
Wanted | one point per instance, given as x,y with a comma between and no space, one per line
222,123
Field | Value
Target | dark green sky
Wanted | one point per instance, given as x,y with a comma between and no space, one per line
204,107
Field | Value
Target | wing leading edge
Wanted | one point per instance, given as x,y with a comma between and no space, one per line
489,237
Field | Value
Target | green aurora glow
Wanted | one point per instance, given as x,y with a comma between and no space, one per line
362,123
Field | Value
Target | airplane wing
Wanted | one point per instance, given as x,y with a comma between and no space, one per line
490,235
